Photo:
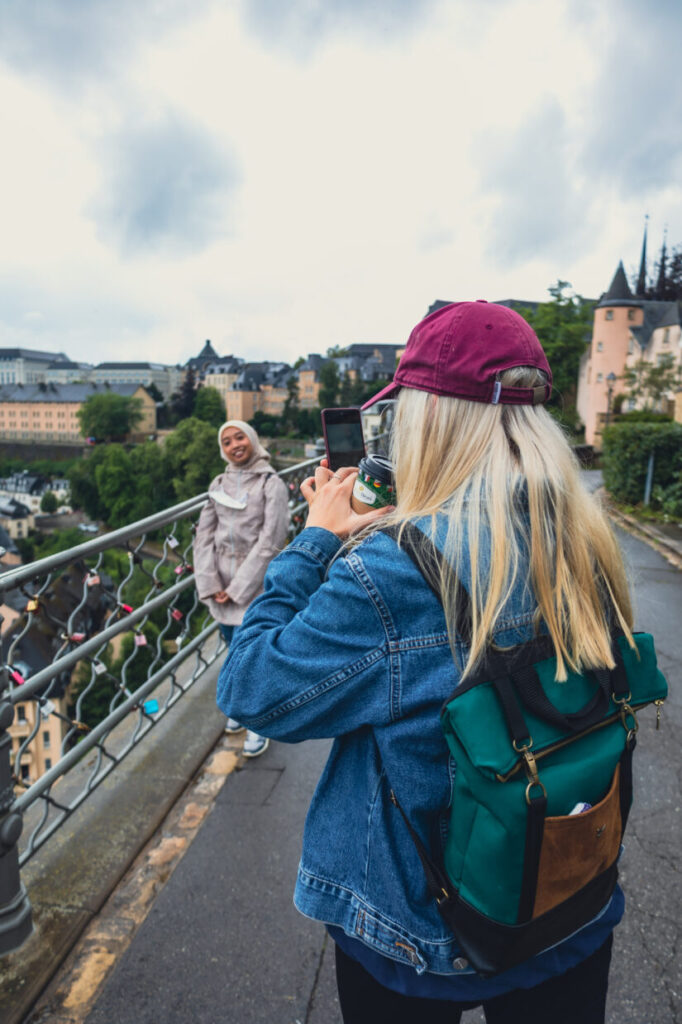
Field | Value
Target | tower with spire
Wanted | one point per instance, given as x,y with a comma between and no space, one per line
641,280
627,328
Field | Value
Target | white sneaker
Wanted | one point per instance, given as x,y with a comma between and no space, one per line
232,725
255,745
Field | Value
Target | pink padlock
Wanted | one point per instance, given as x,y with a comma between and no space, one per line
16,677
77,638
140,640
176,614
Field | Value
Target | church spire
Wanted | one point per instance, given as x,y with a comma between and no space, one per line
641,280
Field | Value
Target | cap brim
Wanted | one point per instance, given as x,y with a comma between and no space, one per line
387,392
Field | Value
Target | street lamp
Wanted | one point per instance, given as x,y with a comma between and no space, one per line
610,381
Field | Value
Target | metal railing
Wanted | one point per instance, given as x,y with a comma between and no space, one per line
107,636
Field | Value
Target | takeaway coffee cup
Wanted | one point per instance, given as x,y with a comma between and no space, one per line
374,487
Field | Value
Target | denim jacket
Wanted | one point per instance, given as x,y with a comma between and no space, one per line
356,648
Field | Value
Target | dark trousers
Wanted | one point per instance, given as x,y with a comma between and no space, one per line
576,997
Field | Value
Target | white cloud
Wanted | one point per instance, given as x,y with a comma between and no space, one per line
284,177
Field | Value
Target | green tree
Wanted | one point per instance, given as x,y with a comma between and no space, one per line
209,406
83,485
652,381
48,502
153,490
329,384
265,424
291,404
346,392
563,327
192,458
120,486
116,486
108,416
308,423
182,402
336,350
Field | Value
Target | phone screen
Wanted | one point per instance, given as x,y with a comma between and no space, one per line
343,436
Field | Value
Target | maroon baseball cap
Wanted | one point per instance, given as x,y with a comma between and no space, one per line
461,350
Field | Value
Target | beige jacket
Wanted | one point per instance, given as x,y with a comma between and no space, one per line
234,545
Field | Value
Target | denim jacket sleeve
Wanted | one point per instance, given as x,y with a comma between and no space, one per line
311,656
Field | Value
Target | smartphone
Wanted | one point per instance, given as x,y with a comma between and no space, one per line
343,437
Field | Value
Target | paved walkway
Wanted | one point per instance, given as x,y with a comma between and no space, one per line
223,943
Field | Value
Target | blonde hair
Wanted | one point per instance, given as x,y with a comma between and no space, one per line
509,487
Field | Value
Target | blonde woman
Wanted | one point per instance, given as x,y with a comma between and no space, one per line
241,528
349,641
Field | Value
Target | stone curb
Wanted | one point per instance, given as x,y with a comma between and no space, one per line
671,550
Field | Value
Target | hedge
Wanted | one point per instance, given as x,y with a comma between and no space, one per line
625,457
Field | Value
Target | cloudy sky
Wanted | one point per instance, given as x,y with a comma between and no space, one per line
284,175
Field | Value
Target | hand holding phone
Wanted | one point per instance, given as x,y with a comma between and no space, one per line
343,437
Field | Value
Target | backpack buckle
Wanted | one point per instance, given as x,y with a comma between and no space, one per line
531,767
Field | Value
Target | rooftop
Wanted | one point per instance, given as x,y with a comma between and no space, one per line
33,355
69,393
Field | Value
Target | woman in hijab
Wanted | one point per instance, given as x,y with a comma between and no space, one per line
241,528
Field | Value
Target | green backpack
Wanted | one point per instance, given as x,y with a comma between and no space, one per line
541,793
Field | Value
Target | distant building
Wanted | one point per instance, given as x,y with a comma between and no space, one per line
516,304
167,379
16,518
222,375
199,364
66,372
309,381
29,488
25,487
373,362
258,387
27,365
627,328
49,412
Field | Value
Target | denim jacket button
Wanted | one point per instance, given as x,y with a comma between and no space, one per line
460,963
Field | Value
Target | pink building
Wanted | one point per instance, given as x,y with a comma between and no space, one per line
627,328
602,366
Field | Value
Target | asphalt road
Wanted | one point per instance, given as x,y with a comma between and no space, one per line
223,942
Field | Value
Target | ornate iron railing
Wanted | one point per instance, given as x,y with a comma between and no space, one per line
106,637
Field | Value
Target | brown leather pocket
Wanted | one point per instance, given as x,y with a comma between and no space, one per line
576,848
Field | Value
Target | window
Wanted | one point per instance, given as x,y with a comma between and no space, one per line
21,712
600,378
24,773
631,314
600,346
631,347
46,738
48,763
609,314
666,336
